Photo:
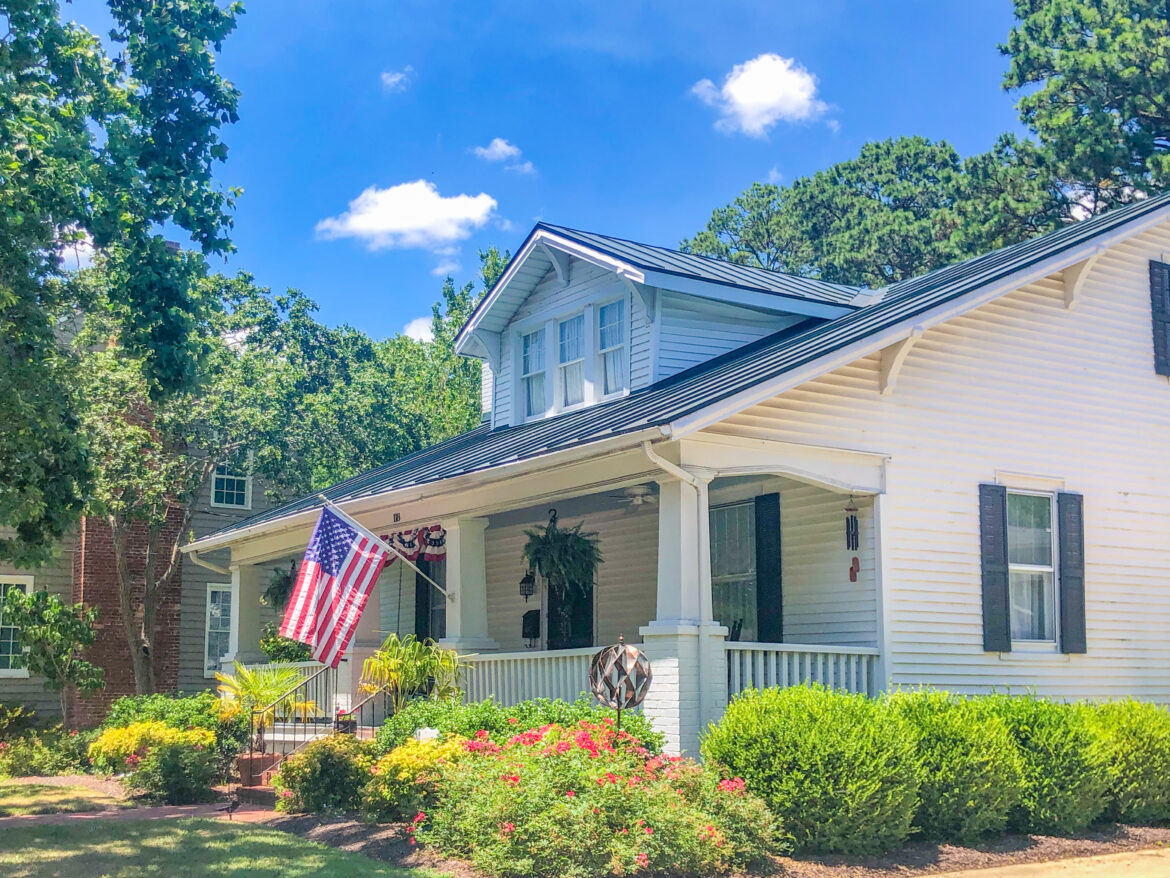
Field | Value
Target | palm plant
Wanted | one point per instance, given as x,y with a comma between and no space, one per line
267,693
404,667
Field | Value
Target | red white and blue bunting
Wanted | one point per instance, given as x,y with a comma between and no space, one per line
425,544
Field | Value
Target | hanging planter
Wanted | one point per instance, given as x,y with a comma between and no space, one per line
565,557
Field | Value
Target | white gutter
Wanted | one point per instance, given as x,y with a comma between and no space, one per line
306,517
674,469
215,568
871,344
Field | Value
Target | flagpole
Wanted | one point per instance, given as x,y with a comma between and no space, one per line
336,510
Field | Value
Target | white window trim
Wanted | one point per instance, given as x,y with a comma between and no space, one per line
521,386
209,673
598,356
27,582
586,390
247,507
1041,647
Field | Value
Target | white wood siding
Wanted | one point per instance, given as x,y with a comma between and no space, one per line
695,330
486,389
1023,386
550,299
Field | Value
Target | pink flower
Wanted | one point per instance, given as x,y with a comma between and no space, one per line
642,860
508,828
513,720
513,779
649,831
735,785
286,794
412,841
570,794
482,734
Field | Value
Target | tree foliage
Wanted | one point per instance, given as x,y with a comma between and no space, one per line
902,207
98,151
53,635
1096,75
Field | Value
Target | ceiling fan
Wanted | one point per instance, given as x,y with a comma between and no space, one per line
636,495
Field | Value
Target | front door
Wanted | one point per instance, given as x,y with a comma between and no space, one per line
430,607
745,569
570,618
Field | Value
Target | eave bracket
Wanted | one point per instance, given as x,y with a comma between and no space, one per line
893,358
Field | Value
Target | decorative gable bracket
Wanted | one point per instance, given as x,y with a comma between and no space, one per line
893,359
1074,278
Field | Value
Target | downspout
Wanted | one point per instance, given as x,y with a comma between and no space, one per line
193,554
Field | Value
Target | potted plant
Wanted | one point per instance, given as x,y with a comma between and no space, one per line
567,559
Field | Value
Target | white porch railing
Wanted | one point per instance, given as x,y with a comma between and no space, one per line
759,665
511,677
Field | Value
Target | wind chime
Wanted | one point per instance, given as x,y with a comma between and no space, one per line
852,537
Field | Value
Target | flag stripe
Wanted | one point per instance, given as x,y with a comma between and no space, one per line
341,565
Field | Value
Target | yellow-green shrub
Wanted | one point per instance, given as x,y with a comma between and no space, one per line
1137,745
121,749
328,776
405,779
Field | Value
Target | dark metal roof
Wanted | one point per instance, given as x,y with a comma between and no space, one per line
652,258
701,386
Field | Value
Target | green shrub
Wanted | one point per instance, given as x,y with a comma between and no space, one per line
45,752
839,770
1065,781
454,718
15,720
971,770
406,780
585,801
1137,741
202,711
175,772
329,775
282,649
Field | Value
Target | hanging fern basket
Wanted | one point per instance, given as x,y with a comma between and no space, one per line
565,557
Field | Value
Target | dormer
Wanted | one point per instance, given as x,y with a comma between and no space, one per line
579,318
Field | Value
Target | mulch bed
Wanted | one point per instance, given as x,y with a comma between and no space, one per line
390,843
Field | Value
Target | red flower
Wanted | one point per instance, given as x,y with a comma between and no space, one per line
735,786
482,734
570,794
513,720
649,831
508,828
512,779
642,860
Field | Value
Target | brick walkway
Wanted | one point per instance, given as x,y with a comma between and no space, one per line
246,814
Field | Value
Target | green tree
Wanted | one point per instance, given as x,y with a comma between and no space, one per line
901,208
53,635
97,151
1096,75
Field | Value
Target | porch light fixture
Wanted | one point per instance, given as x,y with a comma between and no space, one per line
528,585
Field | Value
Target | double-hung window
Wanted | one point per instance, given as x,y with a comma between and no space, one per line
611,346
571,361
217,630
231,489
733,568
1031,544
532,373
11,652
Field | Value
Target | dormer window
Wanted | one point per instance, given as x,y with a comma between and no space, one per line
611,346
571,362
532,373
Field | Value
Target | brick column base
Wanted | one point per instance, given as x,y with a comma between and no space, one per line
689,689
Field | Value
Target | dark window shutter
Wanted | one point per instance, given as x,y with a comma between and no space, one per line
1160,306
1070,524
997,626
769,606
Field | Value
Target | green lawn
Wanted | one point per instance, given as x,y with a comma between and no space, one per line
17,799
171,848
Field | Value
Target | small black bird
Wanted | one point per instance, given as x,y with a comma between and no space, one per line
231,807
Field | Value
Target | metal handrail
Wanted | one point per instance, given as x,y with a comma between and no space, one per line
306,681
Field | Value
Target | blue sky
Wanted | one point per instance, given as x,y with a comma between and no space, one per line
632,119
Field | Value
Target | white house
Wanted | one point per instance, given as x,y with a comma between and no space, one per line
999,431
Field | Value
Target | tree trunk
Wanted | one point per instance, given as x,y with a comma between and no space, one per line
139,647
65,707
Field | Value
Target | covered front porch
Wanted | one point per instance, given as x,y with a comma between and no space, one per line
733,563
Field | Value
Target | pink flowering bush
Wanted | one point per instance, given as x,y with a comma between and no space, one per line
586,800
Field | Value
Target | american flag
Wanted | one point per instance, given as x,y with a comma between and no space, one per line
340,567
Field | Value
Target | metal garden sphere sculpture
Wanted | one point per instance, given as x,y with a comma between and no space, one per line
619,677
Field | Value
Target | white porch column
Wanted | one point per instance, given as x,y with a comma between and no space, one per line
466,586
367,637
244,633
683,643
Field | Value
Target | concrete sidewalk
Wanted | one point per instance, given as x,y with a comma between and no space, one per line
1150,863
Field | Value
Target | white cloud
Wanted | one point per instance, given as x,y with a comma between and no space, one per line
761,92
774,175
446,267
409,215
497,151
397,80
419,329
522,168
75,248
